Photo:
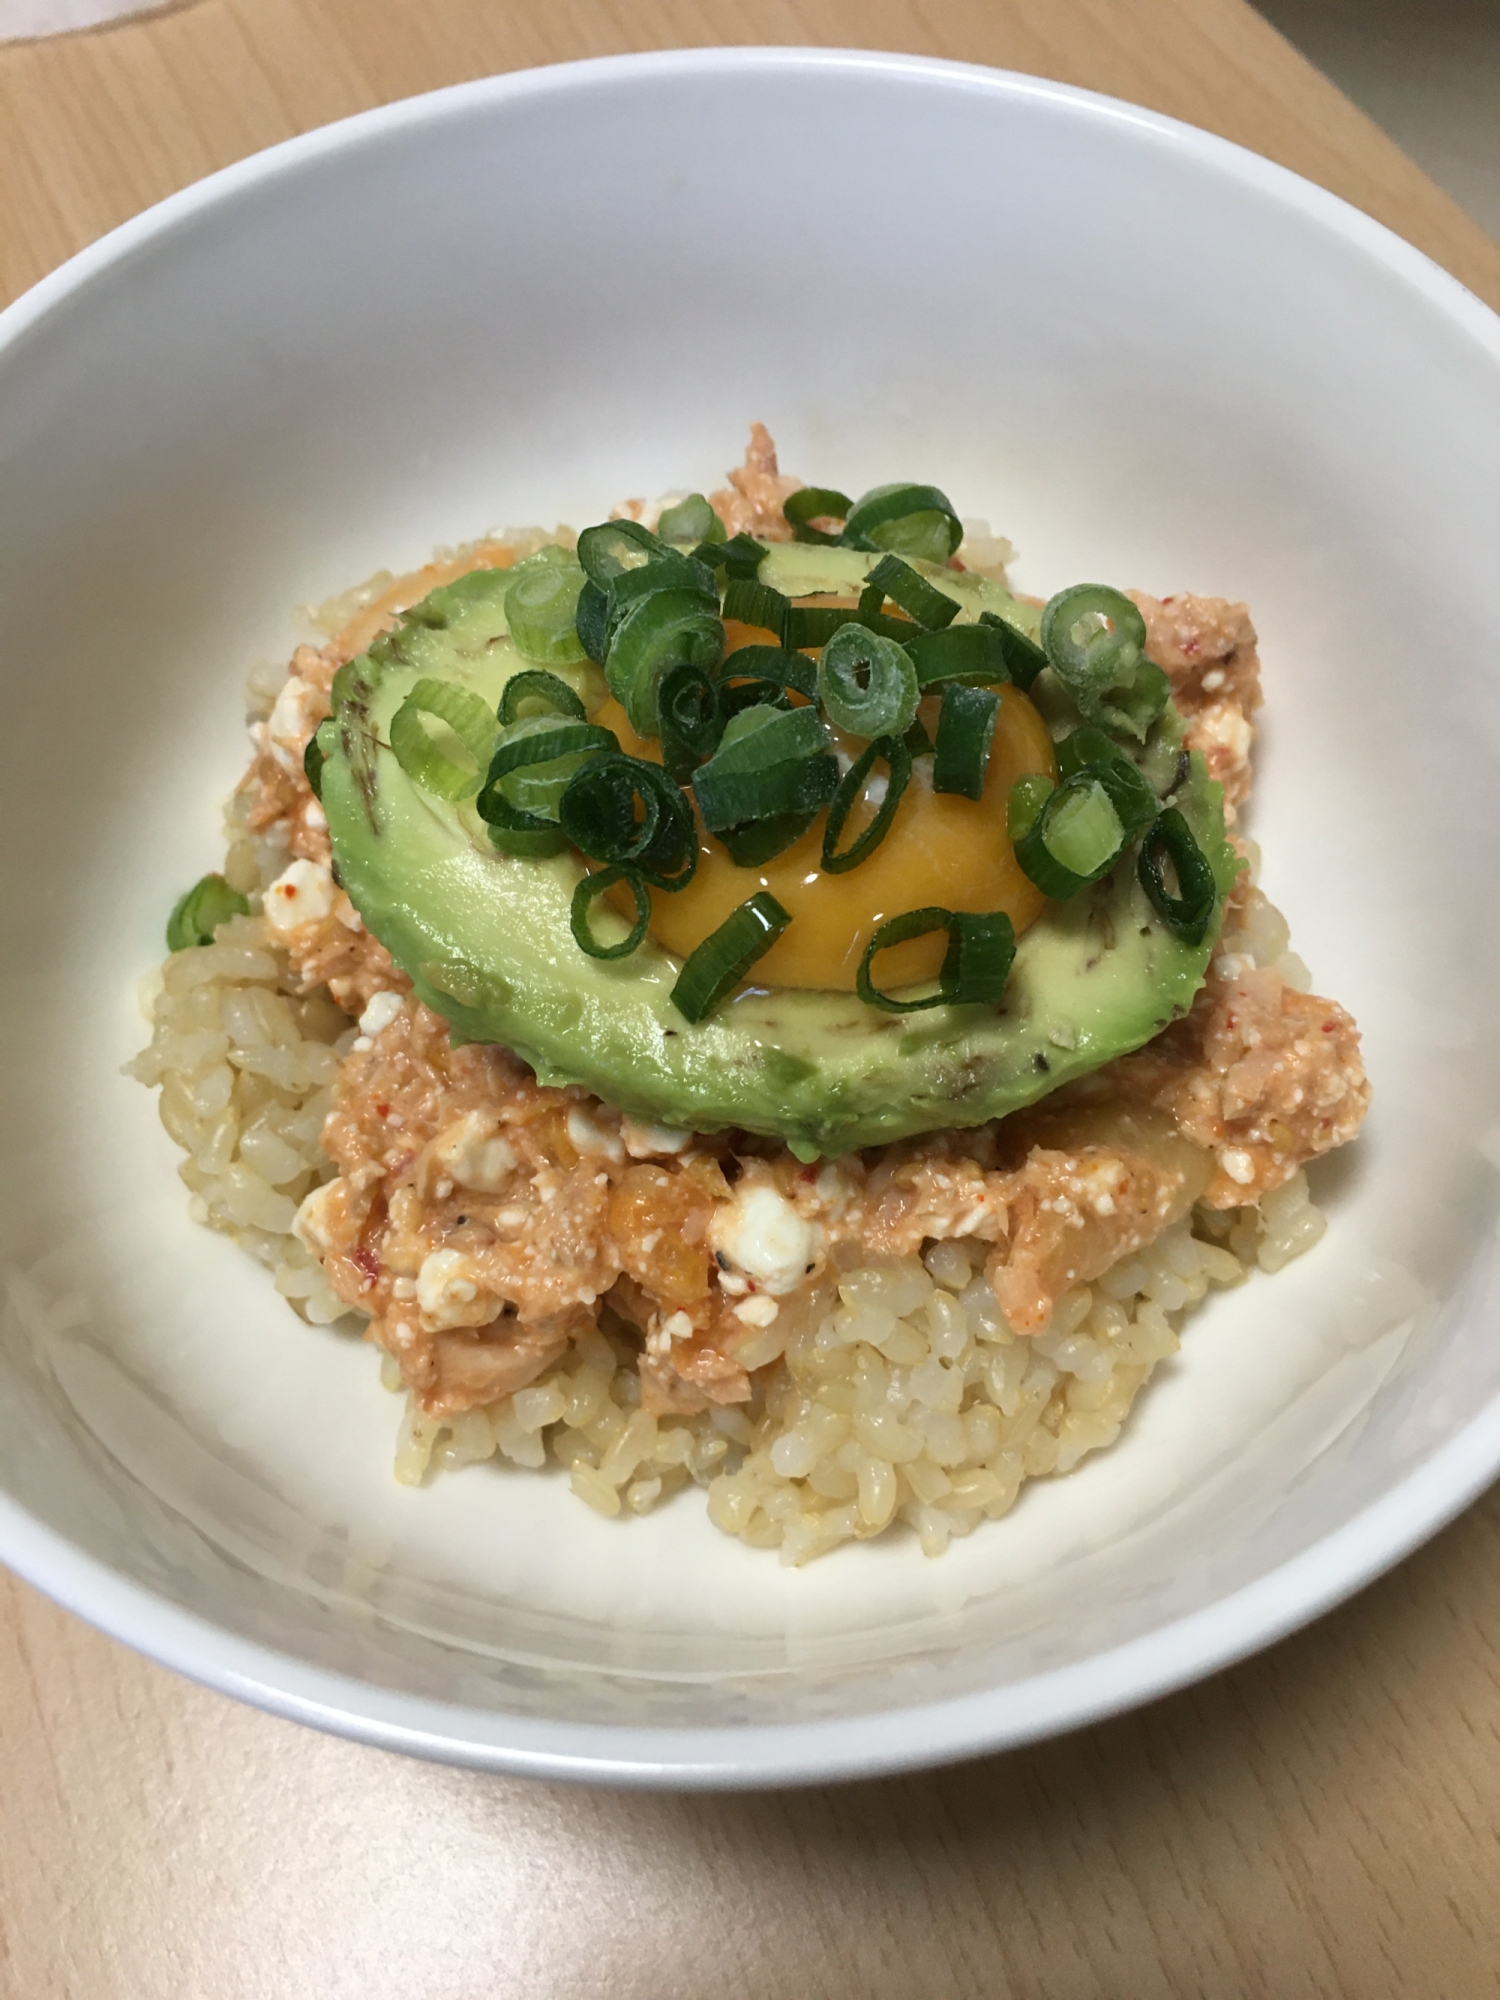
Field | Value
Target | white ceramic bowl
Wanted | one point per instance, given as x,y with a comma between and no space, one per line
1143,354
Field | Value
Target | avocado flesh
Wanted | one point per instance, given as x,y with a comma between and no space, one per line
486,937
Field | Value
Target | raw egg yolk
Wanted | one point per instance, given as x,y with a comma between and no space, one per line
940,848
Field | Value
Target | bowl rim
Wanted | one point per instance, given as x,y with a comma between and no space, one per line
876,1741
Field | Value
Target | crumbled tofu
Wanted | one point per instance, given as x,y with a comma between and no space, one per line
591,1138
298,710
764,1237
475,1154
642,1141
310,1225
302,894
379,1013
446,1284
757,1310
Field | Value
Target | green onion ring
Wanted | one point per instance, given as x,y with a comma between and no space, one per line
597,812
761,840
815,503
691,715
1024,801
613,546
690,520
1188,914
1094,639
893,753
973,653
513,830
966,729
976,965
587,894
420,758
665,630
732,798
714,968
1024,658
885,703
197,915
770,663
1075,839
892,578
536,684
911,520
534,741
671,571
592,622
757,604
740,556
1089,749
541,611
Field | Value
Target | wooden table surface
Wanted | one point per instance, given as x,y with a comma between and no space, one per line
1324,1820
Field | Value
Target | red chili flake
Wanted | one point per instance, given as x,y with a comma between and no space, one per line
1329,1026
368,1262
1189,649
382,1111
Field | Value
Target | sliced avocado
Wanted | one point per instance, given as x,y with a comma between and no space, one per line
487,942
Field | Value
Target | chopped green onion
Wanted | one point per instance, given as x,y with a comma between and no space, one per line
741,555
1188,914
1075,839
716,967
775,772
893,753
815,624
526,834
757,604
1089,749
976,965
615,546
1024,801
536,684
691,716
1024,658
691,520
628,813
197,915
533,764
759,738
761,840
424,760
770,663
911,520
960,653
917,741
671,571
592,622
815,503
892,578
541,610
316,755
966,729
670,628
587,894
1095,642
867,684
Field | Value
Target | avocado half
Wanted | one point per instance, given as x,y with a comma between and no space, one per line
486,939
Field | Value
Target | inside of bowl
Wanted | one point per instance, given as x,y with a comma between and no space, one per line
1137,356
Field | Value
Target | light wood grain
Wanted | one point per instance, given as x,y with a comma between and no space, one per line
1324,1820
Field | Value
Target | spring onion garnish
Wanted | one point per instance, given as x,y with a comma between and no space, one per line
757,604
976,965
580,915
197,915
536,685
615,546
922,602
691,715
1095,642
669,628
1024,801
541,609
960,653
315,756
893,753
741,555
1075,839
466,722
911,520
691,520
533,764
815,624
715,967
592,622
815,503
1089,749
628,813
772,664
770,763
670,571
1171,841
1024,658
966,729
867,684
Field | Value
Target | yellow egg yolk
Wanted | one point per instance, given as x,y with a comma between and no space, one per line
940,848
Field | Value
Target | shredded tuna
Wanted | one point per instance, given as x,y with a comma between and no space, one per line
757,492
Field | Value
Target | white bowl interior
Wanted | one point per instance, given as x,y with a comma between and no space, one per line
1144,357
